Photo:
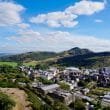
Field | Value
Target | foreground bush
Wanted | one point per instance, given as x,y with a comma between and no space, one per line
5,102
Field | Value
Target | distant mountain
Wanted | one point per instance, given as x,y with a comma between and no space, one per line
75,51
36,56
74,57
94,60
30,56
4,54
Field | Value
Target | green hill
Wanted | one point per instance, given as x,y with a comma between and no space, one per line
37,56
87,60
27,57
73,57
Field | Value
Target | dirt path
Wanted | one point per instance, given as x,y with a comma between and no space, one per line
19,96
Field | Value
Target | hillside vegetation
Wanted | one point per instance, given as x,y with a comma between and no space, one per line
94,60
6,103
30,56
74,57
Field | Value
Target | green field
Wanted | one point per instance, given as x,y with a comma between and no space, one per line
32,63
8,63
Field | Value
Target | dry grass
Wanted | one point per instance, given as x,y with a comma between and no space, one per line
19,96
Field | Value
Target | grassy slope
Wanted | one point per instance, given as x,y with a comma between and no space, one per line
18,96
8,63
33,98
74,57
94,62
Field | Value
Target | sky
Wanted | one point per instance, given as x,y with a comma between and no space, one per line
54,25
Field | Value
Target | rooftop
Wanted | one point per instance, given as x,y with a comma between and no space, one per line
49,87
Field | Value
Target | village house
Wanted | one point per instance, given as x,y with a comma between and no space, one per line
61,95
44,89
50,73
106,99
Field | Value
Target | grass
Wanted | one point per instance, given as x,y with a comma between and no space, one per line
33,98
9,63
6,103
102,89
91,84
31,63
99,91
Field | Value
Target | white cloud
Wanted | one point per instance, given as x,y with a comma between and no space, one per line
56,19
98,21
10,13
86,7
23,25
30,40
27,36
67,18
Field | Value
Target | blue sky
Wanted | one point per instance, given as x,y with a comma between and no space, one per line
52,25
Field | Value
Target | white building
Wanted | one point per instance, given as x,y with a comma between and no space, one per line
106,99
50,73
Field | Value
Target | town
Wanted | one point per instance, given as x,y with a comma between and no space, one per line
67,85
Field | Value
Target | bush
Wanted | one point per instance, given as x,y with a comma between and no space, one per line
5,102
44,80
59,106
64,86
33,98
78,105
46,107
106,108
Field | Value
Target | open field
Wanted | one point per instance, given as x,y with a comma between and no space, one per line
32,63
8,63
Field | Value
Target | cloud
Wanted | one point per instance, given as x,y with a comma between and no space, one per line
98,21
30,40
10,13
86,7
67,18
23,25
56,19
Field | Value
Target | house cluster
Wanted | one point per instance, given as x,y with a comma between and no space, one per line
48,74
104,76
101,76
70,76
55,92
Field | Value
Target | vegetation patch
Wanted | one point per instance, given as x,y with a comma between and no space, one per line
6,103
9,63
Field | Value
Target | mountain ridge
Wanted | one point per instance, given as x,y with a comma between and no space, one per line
73,57
42,55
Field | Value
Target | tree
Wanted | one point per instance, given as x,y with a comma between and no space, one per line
44,80
106,108
64,86
41,66
82,83
45,107
98,106
78,105
59,106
